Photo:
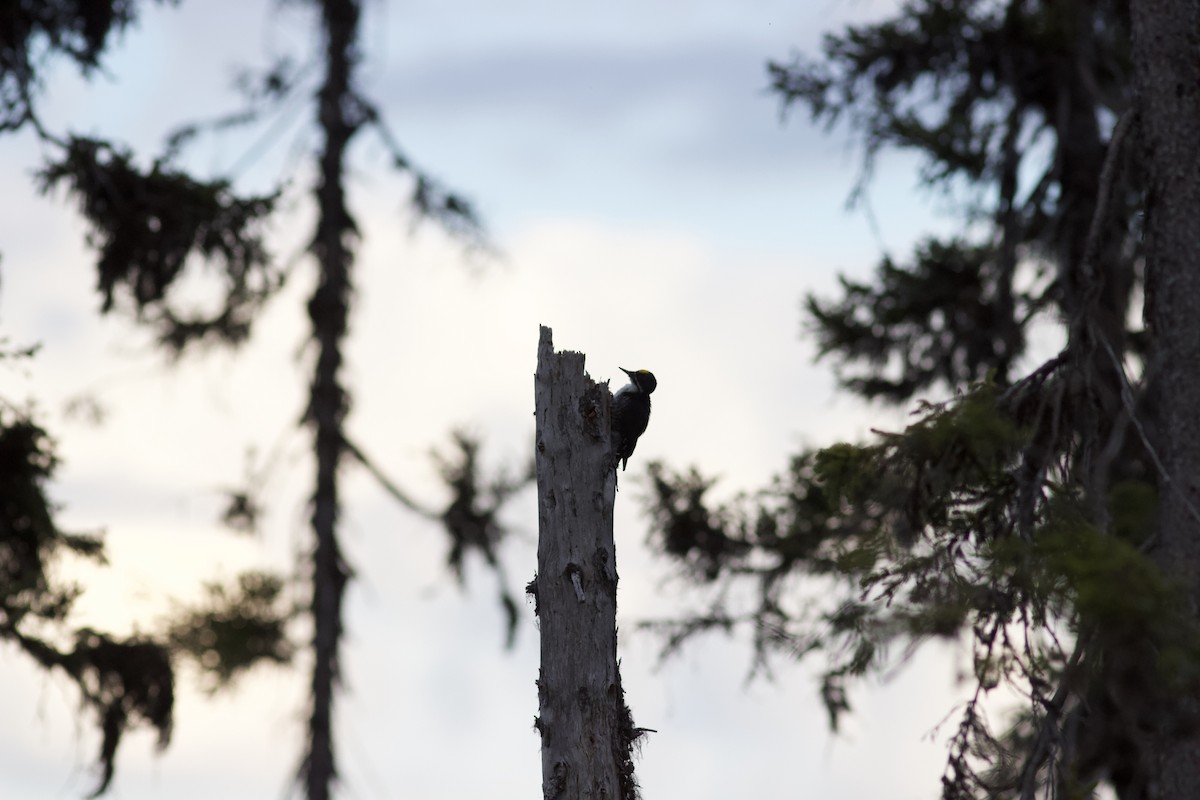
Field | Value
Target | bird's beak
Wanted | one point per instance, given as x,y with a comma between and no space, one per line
627,372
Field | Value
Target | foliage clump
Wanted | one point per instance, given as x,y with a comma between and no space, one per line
148,225
123,682
235,628
30,30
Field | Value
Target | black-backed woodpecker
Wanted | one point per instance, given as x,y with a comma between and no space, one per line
631,413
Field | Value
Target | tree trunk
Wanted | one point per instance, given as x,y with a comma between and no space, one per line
328,310
1167,60
586,728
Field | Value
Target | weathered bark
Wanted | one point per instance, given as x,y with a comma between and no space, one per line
328,404
586,728
1167,61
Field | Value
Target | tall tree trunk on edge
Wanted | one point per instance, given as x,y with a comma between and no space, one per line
328,309
1167,60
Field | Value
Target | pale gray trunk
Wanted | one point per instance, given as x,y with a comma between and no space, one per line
1167,61
585,726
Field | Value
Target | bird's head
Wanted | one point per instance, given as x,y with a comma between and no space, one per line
643,379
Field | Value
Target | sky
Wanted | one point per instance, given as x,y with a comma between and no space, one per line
650,202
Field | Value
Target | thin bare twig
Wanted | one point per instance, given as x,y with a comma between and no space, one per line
387,483
1049,729
1128,401
1108,176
